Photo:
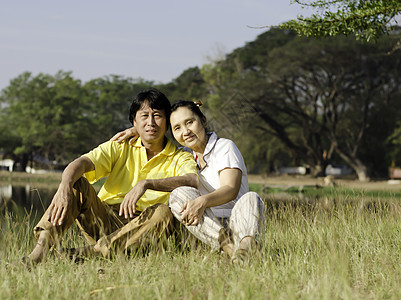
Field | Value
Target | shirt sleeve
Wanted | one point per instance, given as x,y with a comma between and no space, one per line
102,157
229,156
186,164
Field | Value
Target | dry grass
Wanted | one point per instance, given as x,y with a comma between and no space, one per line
336,247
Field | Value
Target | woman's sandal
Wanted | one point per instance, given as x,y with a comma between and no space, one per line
226,244
241,257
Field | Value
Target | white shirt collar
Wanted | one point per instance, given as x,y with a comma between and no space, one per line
211,143
209,148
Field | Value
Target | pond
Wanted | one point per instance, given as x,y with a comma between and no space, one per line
31,198
23,199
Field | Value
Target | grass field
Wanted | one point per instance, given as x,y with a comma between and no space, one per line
330,243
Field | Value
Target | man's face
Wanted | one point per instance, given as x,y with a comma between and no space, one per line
151,124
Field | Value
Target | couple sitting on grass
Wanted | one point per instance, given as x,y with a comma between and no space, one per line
151,183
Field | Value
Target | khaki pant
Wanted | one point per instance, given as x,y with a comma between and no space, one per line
103,228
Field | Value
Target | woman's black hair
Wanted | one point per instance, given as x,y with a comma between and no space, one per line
191,106
155,99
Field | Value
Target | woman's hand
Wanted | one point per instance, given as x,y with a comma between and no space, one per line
192,211
121,136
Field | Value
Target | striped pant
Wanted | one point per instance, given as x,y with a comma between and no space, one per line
246,218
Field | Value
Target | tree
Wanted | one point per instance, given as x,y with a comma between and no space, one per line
234,84
319,98
366,19
42,114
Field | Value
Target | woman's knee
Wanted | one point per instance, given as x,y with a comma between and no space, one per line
250,203
254,195
250,198
182,194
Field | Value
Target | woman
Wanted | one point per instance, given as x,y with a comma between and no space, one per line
222,213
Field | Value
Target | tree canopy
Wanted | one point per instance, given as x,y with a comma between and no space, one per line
366,19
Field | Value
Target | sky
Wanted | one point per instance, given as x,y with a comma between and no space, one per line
154,39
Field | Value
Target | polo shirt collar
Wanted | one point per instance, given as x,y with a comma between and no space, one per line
210,143
168,150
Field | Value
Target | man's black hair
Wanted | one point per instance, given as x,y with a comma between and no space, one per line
155,99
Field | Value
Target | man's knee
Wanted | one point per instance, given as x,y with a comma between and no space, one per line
82,185
157,213
163,212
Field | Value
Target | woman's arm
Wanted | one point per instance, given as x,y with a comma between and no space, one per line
121,136
230,183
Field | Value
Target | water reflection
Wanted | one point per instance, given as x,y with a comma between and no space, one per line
20,200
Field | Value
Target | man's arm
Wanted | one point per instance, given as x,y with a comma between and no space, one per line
128,206
171,183
62,199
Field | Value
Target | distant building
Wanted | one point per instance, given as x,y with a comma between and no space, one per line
7,164
38,165
293,170
338,170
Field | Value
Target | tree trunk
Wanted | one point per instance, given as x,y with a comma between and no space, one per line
317,170
361,171
23,163
359,167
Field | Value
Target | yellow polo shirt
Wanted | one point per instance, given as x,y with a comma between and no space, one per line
124,165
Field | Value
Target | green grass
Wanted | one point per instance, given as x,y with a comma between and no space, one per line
342,245
322,191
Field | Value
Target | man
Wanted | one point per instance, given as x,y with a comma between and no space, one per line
130,209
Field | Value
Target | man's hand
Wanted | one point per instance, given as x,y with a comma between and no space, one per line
128,206
121,136
60,204
192,211
62,199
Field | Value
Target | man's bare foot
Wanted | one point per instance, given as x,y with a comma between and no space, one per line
41,249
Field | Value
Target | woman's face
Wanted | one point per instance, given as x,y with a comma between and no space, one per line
188,129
